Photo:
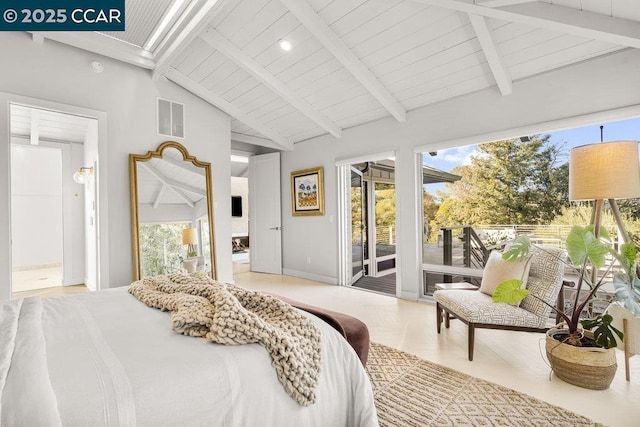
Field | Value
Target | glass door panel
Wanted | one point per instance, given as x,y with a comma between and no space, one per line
357,225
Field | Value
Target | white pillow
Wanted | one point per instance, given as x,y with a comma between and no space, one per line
497,270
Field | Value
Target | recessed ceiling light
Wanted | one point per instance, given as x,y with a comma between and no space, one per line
285,45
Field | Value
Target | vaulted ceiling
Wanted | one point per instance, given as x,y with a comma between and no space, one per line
354,61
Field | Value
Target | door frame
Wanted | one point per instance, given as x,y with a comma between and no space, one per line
343,178
372,230
363,206
102,211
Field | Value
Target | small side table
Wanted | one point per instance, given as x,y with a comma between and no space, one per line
461,286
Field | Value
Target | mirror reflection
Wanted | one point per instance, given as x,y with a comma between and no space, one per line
171,212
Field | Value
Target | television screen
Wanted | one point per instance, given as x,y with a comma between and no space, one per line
236,205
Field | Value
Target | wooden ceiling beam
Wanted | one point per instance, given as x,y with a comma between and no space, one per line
187,166
254,140
156,174
217,101
502,3
228,49
338,48
156,202
490,49
102,45
556,18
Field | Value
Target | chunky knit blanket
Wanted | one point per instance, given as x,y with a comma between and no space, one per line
227,314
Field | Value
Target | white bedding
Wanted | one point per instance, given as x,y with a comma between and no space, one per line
112,361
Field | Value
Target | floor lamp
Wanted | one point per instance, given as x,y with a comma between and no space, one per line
605,171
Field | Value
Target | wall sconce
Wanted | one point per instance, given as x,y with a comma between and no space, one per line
82,175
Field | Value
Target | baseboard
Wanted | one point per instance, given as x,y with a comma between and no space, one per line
310,276
74,281
411,296
37,267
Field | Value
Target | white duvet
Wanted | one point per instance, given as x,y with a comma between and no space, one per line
106,359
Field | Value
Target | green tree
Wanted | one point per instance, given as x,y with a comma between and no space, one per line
160,247
508,182
385,205
430,208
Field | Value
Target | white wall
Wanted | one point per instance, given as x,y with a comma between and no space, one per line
36,209
165,213
240,187
127,95
576,95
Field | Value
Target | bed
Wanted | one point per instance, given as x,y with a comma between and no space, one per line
106,359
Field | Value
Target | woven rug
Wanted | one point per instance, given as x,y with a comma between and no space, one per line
410,391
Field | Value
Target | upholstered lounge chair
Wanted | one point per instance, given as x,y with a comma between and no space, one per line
477,310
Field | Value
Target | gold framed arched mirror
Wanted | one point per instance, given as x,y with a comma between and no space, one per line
171,212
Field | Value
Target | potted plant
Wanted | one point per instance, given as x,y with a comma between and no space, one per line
626,309
580,351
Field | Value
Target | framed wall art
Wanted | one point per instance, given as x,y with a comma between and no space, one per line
307,192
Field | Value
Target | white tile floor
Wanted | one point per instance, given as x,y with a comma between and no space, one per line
36,278
512,359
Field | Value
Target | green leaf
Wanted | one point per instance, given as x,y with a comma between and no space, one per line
510,292
518,249
603,330
629,252
582,244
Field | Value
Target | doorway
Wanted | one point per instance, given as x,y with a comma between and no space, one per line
370,225
240,224
240,241
47,206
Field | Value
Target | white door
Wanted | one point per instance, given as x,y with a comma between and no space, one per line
265,232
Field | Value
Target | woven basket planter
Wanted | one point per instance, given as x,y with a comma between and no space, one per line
587,367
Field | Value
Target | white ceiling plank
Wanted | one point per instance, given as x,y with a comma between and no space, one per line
184,187
418,29
317,27
502,3
244,16
164,181
187,166
223,45
563,55
102,45
156,202
500,72
566,20
217,101
454,29
335,10
187,34
193,56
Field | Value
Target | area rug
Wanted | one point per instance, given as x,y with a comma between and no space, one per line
410,391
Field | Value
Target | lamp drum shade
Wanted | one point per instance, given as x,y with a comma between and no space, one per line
606,170
189,236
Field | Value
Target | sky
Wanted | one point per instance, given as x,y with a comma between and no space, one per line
613,131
